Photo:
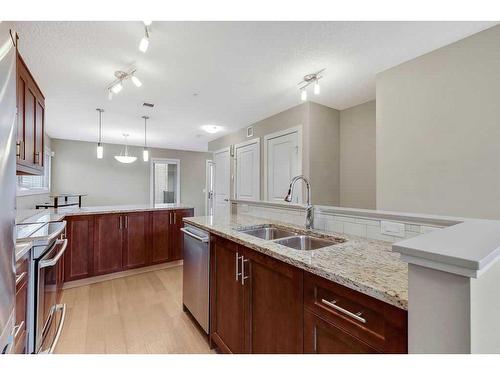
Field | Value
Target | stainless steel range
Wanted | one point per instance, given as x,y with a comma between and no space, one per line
45,312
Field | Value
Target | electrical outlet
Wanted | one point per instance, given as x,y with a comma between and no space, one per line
392,229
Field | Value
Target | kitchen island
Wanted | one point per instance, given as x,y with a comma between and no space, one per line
348,297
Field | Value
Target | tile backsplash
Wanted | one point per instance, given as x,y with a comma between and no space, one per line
357,224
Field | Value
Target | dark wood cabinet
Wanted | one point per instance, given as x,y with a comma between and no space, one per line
160,236
136,239
177,239
256,301
259,304
108,239
78,258
273,305
20,332
322,337
30,122
107,243
227,312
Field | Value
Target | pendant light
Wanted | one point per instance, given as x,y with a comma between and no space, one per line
100,149
145,151
124,157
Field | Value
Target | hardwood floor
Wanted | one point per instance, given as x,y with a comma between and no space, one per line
138,314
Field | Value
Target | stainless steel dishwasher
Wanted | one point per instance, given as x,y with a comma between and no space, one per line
195,296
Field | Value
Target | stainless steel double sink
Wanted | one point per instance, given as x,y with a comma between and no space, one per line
290,238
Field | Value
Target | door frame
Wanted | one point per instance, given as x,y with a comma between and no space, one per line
235,179
230,193
296,129
151,177
209,162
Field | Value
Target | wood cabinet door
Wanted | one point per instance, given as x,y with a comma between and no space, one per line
108,241
136,235
273,305
177,238
160,236
79,255
39,130
20,143
226,297
29,125
321,337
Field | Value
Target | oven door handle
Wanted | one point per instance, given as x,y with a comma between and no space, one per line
62,308
52,261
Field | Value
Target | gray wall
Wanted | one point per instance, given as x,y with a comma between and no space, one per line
320,146
75,168
357,156
438,131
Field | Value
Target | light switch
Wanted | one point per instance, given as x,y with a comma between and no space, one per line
392,229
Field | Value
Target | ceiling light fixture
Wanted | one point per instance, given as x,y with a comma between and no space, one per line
100,149
147,23
145,151
212,129
124,157
117,85
144,43
310,79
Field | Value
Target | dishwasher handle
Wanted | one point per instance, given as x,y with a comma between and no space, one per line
195,236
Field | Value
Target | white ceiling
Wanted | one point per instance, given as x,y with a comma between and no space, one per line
241,71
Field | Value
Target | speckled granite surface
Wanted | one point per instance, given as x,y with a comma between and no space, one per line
368,266
51,214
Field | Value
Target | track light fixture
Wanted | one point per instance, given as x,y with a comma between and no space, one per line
145,151
100,149
310,79
117,85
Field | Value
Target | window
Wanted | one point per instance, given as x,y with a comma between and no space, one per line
165,181
29,185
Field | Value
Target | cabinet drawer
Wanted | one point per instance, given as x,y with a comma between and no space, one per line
321,337
382,326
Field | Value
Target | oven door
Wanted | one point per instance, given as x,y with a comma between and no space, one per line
50,315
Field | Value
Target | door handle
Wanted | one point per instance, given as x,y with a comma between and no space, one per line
57,308
53,261
238,266
243,277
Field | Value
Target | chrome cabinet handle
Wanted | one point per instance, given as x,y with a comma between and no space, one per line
170,217
126,221
238,266
175,217
120,222
53,261
243,277
21,277
18,329
18,149
333,305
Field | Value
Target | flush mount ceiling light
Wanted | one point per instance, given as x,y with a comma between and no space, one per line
310,79
124,157
212,129
117,85
100,149
144,43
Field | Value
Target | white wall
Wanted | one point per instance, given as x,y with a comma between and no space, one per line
438,131
357,156
75,168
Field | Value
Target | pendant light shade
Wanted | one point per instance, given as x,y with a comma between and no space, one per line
100,149
124,157
145,152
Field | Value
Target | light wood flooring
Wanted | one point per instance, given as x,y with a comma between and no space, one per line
136,314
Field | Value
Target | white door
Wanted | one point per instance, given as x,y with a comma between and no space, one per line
222,182
282,164
210,188
248,170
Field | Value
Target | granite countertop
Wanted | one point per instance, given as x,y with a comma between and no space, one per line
368,266
51,214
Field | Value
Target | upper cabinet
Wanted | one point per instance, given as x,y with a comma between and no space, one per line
30,122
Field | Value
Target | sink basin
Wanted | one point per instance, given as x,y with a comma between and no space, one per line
269,233
306,242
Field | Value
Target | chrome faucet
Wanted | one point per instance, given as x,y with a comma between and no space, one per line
309,207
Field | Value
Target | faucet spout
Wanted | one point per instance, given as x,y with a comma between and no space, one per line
309,207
